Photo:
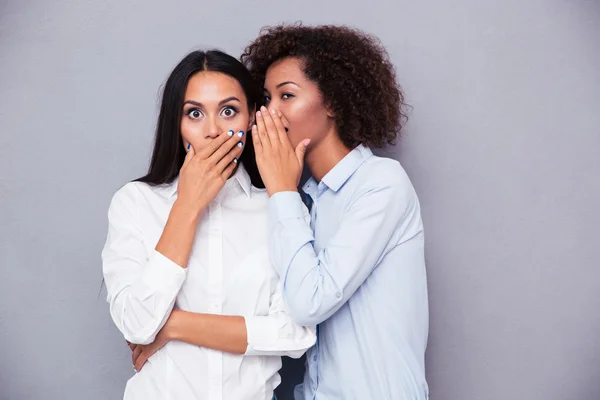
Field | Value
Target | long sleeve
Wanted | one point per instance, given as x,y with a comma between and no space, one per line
317,284
142,284
277,334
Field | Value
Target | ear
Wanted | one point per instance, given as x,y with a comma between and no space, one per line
252,118
329,108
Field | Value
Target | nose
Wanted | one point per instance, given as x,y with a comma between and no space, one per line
212,128
273,105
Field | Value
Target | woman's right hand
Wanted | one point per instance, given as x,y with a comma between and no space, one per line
204,173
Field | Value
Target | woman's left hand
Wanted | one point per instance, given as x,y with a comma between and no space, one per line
279,164
140,353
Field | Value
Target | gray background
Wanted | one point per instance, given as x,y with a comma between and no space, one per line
503,147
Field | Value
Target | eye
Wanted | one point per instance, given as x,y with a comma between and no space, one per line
194,113
286,96
266,99
229,112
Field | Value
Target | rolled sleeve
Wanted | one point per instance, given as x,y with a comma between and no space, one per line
269,336
142,285
163,275
277,334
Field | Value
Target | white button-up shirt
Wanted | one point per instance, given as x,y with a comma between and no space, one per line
229,272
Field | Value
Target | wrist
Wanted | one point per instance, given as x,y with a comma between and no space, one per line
187,210
172,328
281,188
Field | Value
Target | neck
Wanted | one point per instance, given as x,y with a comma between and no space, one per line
325,155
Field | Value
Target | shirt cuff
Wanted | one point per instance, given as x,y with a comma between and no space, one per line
161,273
285,205
255,329
270,336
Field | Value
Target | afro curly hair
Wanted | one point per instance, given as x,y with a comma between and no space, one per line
352,70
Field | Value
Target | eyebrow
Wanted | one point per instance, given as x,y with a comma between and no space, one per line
286,83
227,100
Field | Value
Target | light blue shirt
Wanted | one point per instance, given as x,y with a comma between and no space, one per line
356,268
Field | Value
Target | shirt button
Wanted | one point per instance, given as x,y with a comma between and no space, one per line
314,358
338,295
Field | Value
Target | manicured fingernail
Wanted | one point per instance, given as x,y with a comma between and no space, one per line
258,114
241,133
273,112
230,133
240,144
135,369
189,144
253,127
235,160
263,108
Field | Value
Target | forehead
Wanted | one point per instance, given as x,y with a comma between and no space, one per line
287,69
209,85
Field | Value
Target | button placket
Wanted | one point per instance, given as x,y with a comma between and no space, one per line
215,287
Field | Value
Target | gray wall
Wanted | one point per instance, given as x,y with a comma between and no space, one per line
503,147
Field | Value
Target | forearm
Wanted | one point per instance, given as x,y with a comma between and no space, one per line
178,235
218,332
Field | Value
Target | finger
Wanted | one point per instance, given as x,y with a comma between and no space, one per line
214,145
131,345
141,360
230,158
262,130
136,354
301,151
229,170
282,134
270,125
256,140
234,140
283,119
190,154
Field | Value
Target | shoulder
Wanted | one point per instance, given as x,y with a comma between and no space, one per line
384,174
132,196
127,194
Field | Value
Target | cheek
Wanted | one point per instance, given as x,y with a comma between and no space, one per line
191,132
305,120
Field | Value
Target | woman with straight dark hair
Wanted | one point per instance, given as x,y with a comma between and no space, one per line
189,280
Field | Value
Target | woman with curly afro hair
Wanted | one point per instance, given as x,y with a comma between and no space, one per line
355,267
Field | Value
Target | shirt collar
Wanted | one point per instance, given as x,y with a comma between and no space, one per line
241,177
343,170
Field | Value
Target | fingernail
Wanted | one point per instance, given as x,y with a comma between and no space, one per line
189,144
258,114
240,144
135,369
230,133
235,160
253,128
241,133
273,112
263,108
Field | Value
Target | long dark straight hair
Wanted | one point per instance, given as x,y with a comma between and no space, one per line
169,152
